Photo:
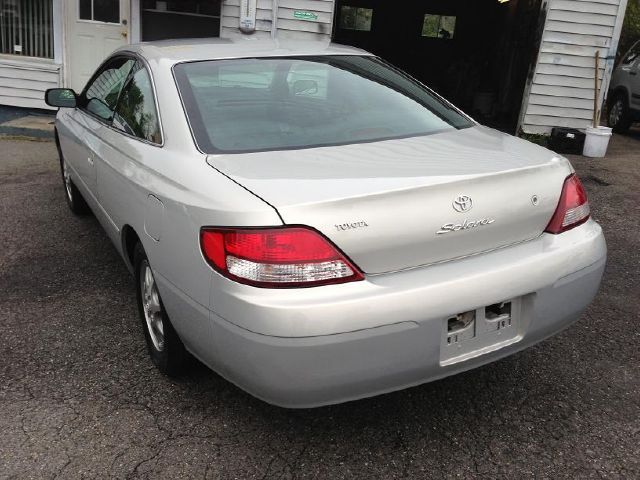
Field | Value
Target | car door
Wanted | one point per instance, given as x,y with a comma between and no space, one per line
139,184
124,152
94,115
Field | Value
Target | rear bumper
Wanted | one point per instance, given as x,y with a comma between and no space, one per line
392,325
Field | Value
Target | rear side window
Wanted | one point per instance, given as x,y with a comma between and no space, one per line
136,112
258,104
102,92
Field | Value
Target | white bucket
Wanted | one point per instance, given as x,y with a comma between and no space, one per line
596,142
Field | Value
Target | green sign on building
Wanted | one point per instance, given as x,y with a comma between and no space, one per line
304,15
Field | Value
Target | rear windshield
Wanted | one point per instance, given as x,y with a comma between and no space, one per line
258,104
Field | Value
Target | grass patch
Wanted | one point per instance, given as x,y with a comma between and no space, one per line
537,138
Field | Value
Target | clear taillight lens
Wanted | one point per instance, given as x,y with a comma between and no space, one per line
276,257
573,207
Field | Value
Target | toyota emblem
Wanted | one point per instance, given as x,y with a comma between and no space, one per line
462,204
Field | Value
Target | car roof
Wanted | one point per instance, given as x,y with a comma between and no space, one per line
176,51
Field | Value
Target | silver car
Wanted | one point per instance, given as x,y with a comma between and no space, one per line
315,225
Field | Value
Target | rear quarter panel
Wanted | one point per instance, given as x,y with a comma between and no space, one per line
190,195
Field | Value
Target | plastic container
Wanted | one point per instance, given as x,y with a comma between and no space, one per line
596,142
567,140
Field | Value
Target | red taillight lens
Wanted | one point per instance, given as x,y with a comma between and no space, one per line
276,257
573,207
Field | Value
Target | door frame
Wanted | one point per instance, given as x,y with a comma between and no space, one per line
66,13
135,19
524,103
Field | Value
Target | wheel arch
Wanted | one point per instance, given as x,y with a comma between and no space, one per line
56,137
619,90
130,239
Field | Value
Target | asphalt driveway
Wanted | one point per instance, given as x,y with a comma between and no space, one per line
80,399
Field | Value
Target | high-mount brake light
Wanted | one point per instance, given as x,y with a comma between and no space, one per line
573,207
286,257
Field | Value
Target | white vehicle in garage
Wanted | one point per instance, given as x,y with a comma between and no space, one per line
624,92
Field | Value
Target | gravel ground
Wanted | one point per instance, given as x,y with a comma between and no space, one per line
80,399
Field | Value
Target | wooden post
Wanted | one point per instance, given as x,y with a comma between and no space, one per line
596,93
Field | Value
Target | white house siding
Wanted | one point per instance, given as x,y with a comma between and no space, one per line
24,81
291,27
562,90
231,18
288,26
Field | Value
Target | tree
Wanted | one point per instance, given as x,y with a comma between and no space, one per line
630,28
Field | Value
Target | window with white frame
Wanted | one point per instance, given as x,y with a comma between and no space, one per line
26,28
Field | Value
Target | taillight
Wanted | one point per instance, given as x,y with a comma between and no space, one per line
276,257
573,207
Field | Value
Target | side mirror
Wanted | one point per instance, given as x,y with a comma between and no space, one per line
305,87
60,97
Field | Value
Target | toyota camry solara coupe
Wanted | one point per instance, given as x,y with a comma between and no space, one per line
315,225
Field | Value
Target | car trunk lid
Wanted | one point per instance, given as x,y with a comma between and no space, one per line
398,204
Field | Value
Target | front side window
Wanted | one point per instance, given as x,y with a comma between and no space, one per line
26,28
102,92
136,112
302,102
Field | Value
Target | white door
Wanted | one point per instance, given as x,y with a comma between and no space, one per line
95,28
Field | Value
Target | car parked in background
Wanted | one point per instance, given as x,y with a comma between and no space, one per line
315,225
624,92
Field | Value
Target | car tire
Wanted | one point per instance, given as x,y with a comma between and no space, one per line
75,200
618,115
165,348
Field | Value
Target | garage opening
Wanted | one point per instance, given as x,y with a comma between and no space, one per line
165,19
475,53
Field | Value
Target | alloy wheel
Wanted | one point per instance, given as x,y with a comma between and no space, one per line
151,306
66,175
615,114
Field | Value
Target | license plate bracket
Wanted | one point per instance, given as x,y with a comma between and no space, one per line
476,332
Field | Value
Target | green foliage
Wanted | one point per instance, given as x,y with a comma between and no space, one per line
631,27
536,138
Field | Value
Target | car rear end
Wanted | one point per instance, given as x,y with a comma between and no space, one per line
313,346
361,332
414,244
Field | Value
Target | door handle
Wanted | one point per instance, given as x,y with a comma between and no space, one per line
124,34
90,160
633,73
